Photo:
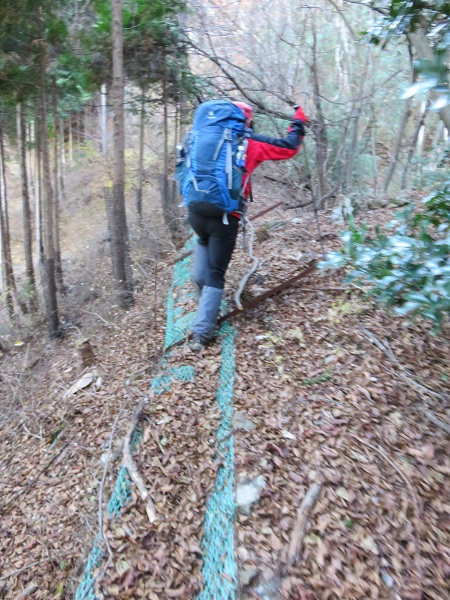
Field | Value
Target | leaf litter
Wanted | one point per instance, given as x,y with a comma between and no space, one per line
316,400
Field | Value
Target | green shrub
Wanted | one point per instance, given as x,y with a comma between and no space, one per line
407,263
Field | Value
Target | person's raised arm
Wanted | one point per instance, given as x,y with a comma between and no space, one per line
263,147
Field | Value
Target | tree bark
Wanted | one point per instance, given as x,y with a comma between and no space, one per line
79,129
118,222
62,159
166,145
49,270
9,265
70,140
56,193
29,145
140,176
319,126
413,145
26,212
6,266
38,186
103,119
423,50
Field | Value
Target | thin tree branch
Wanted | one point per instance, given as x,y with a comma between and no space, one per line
405,374
35,478
415,502
294,552
131,467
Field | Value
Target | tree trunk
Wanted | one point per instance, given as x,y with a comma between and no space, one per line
354,117
183,111
70,140
319,126
11,281
166,200
6,266
413,146
398,144
62,159
79,129
27,234
29,146
118,222
140,176
421,45
38,187
438,134
373,141
103,119
56,193
49,270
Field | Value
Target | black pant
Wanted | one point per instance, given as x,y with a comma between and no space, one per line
219,240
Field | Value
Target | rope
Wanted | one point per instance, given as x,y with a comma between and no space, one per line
237,296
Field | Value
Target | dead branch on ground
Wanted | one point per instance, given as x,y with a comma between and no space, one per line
132,469
35,478
415,502
35,564
102,484
433,419
294,551
406,376
27,591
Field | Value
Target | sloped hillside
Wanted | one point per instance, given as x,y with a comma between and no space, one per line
312,393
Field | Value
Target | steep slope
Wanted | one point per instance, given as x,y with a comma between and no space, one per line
294,392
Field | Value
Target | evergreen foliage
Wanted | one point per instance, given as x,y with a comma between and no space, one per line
408,263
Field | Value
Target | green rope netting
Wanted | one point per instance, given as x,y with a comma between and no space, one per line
85,590
161,384
219,569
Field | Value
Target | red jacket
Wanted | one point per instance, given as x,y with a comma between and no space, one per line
262,147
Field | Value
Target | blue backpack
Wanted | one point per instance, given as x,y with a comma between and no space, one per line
211,162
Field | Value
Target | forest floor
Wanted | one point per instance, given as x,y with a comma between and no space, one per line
331,394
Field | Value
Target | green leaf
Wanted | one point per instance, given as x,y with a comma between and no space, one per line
440,103
348,523
419,88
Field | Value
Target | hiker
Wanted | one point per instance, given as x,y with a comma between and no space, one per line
213,171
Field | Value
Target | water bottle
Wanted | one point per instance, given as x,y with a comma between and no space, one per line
240,155
179,153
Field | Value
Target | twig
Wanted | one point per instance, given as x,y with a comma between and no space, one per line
35,435
302,205
405,375
27,591
102,483
294,552
99,575
35,478
266,210
34,564
108,323
413,495
433,419
323,289
130,466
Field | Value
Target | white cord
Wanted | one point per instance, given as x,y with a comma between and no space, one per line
237,296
